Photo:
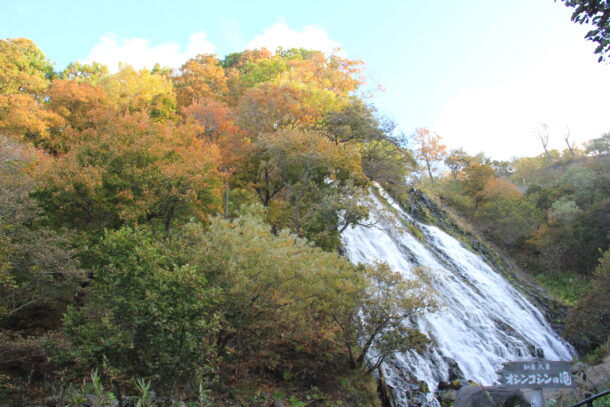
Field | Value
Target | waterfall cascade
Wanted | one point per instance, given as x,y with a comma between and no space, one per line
482,320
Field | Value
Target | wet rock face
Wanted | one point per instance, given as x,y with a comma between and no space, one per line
424,209
478,396
417,393
454,371
483,320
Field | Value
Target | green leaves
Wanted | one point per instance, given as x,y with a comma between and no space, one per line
23,67
149,315
377,327
279,292
597,13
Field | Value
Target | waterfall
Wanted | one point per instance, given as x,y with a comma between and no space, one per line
481,321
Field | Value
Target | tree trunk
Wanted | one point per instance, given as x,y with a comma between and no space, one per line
429,171
168,221
297,214
567,140
227,196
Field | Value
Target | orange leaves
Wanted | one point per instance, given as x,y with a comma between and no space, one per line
214,117
498,188
429,145
215,124
132,170
200,77
22,116
429,148
137,146
76,102
269,107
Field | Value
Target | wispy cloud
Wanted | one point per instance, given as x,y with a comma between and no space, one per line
281,35
140,53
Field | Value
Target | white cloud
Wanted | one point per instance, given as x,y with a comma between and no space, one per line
564,87
139,52
280,35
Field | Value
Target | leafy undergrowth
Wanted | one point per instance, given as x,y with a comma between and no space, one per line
566,287
348,388
33,373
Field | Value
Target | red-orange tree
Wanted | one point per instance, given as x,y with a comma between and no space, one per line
131,170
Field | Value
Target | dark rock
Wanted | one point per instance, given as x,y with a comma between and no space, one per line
455,373
280,403
478,396
416,393
444,386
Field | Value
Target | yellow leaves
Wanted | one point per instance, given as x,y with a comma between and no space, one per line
132,91
133,169
23,67
429,145
270,107
475,177
22,116
334,74
498,188
79,105
200,77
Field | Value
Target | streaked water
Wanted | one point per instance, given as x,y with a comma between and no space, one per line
482,320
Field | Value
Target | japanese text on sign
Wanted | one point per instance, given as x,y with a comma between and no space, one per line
536,374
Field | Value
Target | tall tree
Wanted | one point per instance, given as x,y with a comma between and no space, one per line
313,171
39,275
429,149
457,160
599,146
475,178
200,77
23,67
543,135
131,170
25,73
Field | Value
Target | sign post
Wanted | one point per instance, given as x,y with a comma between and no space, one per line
536,375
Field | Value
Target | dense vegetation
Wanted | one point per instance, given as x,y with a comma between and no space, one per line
551,213
176,231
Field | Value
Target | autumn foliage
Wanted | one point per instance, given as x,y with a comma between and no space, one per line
188,219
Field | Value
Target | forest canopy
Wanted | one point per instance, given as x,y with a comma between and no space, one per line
182,228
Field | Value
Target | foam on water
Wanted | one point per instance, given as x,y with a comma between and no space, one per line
482,320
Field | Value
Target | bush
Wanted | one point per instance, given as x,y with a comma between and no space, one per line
278,294
147,315
588,324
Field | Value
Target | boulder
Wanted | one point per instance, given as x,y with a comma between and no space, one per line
454,371
478,396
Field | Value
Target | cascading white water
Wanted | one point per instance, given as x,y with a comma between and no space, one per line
482,320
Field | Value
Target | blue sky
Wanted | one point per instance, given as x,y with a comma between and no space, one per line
483,74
